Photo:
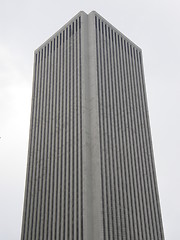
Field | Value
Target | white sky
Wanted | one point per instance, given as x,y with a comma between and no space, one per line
153,25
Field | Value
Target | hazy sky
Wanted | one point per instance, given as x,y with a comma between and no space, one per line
153,25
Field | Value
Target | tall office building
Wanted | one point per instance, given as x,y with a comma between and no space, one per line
90,171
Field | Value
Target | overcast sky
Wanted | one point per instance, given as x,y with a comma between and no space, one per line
153,25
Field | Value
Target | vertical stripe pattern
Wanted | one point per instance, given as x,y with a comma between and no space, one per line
96,81
53,205
130,201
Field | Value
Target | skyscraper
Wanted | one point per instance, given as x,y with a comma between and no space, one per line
90,171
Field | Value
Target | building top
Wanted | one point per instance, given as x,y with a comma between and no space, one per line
81,14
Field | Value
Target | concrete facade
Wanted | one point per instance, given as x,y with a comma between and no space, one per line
90,170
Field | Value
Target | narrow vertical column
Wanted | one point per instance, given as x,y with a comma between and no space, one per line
54,134
44,156
100,80
66,180
59,118
108,135
134,145
51,145
35,153
94,156
123,135
37,205
48,166
78,129
71,100
52,137
119,140
75,135
140,158
63,136
57,129
130,143
114,112
29,160
86,171
42,150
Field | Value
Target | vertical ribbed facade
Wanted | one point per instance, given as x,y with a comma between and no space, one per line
131,209
53,207
90,171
